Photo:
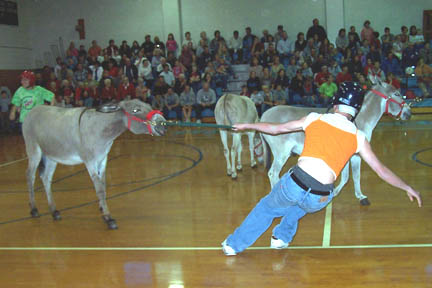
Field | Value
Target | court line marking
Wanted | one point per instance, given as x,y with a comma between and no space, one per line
208,248
414,157
12,162
327,226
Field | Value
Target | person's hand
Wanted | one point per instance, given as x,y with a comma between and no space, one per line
239,127
12,116
414,194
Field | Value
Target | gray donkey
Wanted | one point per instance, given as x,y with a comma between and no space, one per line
73,136
232,109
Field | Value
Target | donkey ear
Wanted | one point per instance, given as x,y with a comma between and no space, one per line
108,107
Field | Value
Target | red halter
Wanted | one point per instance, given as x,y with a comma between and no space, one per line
388,100
256,147
147,120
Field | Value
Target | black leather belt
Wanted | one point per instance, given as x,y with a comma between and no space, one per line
304,187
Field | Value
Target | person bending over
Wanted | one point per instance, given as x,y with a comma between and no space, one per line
330,141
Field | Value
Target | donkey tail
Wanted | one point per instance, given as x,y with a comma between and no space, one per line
229,110
41,166
266,153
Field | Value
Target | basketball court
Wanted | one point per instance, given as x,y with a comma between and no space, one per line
174,205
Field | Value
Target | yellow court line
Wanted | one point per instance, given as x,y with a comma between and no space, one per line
208,248
327,226
12,162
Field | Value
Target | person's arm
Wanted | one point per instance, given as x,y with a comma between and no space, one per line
385,173
12,113
272,128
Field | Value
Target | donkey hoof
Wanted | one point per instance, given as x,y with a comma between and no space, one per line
365,202
239,168
234,177
112,225
253,166
34,213
56,215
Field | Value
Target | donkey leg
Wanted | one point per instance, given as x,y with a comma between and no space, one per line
97,174
35,155
344,179
236,150
356,167
277,166
46,177
224,138
251,136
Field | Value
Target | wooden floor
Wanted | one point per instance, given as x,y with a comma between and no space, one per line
174,205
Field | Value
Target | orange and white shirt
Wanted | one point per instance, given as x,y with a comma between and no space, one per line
331,138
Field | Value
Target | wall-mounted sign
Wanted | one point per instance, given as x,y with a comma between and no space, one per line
8,12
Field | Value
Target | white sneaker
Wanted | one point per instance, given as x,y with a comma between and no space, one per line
278,243
228,250
198,121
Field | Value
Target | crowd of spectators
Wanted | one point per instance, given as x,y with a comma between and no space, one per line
191,76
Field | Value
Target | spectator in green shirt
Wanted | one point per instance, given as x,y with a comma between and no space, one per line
327,90
29,96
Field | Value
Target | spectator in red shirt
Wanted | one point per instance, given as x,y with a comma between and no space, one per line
391,79
171,44
367,33
112,49
344,75
94,93
54,80
82,86
322,76
126,90
94,50
112,68
73,51
108,92
369,66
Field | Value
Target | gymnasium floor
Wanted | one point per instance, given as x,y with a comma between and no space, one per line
174,205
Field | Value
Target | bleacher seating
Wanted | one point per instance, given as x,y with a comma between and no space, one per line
241,75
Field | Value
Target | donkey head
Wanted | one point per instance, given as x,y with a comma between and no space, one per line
393,104
140,118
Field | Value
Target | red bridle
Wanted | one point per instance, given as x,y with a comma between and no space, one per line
388,100
147,120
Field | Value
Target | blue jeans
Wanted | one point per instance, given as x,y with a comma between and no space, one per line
286,200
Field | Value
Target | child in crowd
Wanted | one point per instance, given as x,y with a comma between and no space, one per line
187,101
195,79
244,91
258,98
125,90
87,101
280,95
172,103
392,80
309,98
171,44
108,92
5,101
29,96
178,69
327,90
142,92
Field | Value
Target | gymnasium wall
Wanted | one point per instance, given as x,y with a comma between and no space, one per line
386,13
15,47
47,26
